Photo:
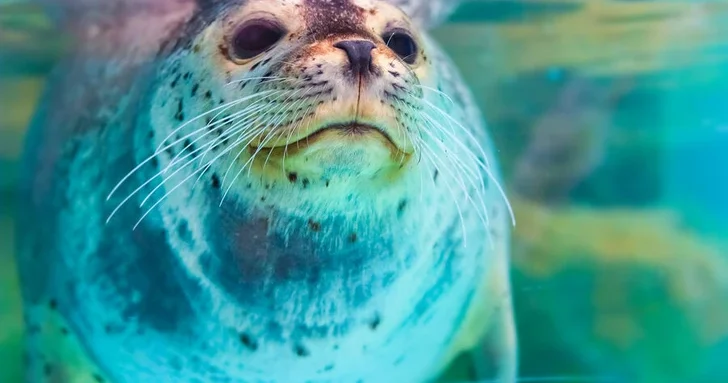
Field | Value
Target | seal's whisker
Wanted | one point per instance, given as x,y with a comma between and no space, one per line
291,129
452,122
214,122
402,130
160,173
277,136
486,166
406,134
266,78
151,208
262,127
432,161
473,173
170,176
240,119
302,118
224,106
201,169
209,147
428,121
475,181
162,147
272,124
441,93
238,126
208,128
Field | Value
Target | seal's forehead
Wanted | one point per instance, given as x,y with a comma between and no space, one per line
323,18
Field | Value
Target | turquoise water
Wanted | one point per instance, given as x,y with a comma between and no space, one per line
620,262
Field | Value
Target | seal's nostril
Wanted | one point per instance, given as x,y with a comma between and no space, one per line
359,53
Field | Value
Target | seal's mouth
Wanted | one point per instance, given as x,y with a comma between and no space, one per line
348,130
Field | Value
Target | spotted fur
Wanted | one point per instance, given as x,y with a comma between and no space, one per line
188,219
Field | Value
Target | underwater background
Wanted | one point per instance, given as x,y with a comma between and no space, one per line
611,121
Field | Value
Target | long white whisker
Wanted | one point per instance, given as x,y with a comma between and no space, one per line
296,128
225,151
454,197
172,175
209,127
261,125
486,166
242,168
162,147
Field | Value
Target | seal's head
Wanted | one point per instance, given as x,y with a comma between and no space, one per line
312,93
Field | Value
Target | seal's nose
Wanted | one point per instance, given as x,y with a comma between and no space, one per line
359,53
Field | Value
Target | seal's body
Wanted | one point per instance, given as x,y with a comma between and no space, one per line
256,191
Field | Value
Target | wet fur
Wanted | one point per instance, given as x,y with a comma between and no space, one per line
278,271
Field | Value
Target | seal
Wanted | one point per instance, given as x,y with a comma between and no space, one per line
257,191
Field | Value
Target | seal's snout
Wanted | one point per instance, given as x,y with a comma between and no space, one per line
359,53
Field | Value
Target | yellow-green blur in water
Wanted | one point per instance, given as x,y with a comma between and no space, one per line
611,122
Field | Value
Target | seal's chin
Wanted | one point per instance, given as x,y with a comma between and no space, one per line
334,150
333,135
350,132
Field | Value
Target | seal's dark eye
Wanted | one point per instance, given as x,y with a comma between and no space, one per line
254,38
402,44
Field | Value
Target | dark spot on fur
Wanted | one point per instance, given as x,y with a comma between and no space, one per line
248,342
195,88
53,304
402,205
187,75
329,367
47,369
437,174
352,238
174,82
98,378
188,145
215,181
183,231
180,115
305,182
374,324
314,226
301,351
208,95
293,177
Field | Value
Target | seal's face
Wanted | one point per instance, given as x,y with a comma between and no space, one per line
299,91
303,120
